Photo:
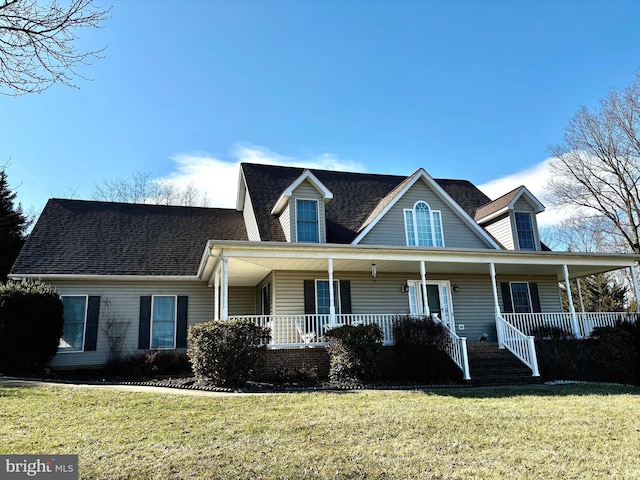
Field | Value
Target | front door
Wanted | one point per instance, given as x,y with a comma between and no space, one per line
438,297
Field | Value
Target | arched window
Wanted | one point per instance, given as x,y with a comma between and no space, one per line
423,226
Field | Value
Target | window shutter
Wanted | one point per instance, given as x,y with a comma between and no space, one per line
345,296
535,297
144,326
507,304
91,333
309,297
181,322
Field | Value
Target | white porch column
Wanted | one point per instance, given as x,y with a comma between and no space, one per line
636,290
332,305
225,288
580,296
574,317
216,295
496,305
425,299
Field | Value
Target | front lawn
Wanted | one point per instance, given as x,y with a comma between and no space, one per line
543,432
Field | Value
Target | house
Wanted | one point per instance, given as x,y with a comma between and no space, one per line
305,250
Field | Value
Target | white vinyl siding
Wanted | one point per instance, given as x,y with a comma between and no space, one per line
250,219
502,232
124,297
285,221
390,229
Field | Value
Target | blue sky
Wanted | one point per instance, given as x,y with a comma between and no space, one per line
466,89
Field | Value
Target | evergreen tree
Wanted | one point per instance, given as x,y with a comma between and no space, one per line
600,293
13,224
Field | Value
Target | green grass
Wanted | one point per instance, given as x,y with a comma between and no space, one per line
547,432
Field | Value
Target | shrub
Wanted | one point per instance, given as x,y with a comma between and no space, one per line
148,363
227,353
422,345
616,352
31,321
354,353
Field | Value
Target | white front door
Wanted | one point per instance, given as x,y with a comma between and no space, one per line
438,297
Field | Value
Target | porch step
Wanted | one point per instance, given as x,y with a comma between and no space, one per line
490,365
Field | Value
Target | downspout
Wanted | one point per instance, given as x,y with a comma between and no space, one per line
574,317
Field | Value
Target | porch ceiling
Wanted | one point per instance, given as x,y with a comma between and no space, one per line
250,262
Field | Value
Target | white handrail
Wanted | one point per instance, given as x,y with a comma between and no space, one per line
521,345
536,323
308,330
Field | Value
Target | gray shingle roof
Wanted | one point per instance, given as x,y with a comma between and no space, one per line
102,238
497,204
355,196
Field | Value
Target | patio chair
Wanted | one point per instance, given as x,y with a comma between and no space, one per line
307,337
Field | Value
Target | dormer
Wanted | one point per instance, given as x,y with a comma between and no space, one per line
511,219
301,209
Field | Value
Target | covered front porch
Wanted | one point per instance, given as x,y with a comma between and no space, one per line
473,292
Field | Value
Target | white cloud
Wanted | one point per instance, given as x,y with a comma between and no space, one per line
217,178
535,179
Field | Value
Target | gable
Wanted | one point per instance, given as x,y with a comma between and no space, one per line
390,228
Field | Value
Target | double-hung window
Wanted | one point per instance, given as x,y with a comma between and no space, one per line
75,316
163,321
524,229
323,299
307,221
423,226
521,297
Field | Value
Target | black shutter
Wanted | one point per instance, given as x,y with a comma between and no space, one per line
309,297
181,322
507,304
144,326
93,312
345,296
535,297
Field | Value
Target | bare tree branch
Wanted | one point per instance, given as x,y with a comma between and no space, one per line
140,188
37,43
597,167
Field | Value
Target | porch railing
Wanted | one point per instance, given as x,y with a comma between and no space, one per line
518,343
537,323
307,330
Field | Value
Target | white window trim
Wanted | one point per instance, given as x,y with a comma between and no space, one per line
534,231
415,225
513,305
175,322
84,330
337,302
317,216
